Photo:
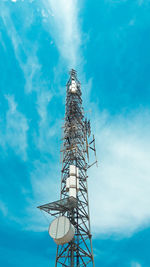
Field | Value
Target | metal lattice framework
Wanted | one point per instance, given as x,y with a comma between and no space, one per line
75,151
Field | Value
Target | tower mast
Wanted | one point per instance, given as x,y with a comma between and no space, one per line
75,249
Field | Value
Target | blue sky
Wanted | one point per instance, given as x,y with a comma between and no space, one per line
107,42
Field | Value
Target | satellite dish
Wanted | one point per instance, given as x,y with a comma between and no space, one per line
61,230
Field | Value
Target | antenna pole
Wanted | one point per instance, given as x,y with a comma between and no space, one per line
74,203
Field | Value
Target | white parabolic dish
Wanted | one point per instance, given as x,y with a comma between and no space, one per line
61,230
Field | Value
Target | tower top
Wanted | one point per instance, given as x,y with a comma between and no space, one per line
73,84
73,72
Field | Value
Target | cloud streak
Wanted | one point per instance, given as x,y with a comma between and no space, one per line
3,208
45,130
14,131
64,21
135,264
25,52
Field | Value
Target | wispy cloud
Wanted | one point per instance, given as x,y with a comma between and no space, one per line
44,181
135,264
26,55
64,27
46,134
3,208
24,50
119,189
14,131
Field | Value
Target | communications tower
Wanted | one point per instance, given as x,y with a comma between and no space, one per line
71,227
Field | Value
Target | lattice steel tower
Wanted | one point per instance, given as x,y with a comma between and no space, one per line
71,228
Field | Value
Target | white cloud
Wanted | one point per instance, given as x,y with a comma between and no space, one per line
31,70
47,126
3,208
14,132
119,188
64,26
43,100
32,73
135,264
16,129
